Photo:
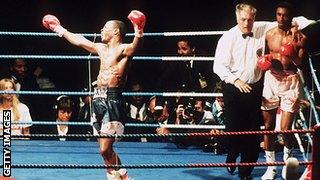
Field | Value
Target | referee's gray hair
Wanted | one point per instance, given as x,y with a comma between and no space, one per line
245,7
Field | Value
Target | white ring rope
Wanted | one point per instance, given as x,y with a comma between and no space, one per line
51,123
194,33
86,57
76,93
139,125
174,58
187,33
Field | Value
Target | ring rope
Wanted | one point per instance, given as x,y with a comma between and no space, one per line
176,126
48,93
194,33
137,166
83,57
216,134
314,76
77,93
138,125
51,123
34,57
311,100
315,54
189,33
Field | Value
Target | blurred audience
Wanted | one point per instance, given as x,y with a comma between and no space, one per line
192,111
84,113
158,113
136,105
218,106
20,74
25,81
30,79
136,108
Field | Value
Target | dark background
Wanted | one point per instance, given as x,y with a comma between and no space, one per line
89,16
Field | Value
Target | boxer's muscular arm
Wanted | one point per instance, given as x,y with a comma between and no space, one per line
138,20
301,50
51,22
80,41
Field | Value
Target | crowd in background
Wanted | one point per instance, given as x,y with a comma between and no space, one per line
177,76
174,76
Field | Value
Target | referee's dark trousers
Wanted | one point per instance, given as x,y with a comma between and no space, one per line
243,113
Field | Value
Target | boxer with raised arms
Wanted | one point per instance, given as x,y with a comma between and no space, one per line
115,59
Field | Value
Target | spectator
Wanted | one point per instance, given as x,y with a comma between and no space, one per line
191,111
137,105
217,144
189,75
185,114
64,109
25,81
43,80
203,77
21,76
19,111
158,113
136,109
218,106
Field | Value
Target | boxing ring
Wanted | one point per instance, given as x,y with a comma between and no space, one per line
86,152
149,160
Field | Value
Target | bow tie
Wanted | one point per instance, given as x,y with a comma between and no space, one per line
250,34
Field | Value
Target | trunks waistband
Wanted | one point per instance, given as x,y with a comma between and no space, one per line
103,92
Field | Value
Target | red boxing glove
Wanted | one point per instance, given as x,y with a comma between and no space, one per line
287,49
264,62
51,22
138,19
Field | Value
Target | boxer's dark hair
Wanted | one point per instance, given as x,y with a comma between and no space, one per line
289,7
